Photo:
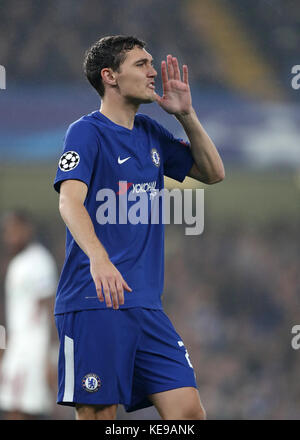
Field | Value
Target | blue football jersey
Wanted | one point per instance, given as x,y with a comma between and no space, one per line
124,171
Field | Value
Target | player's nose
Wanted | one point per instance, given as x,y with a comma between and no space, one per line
152,72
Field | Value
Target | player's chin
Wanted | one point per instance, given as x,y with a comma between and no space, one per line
151,97
146,98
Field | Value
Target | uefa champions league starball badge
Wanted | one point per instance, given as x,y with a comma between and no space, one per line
155,157
91,383
69,161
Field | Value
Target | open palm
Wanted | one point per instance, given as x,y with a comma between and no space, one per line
176,97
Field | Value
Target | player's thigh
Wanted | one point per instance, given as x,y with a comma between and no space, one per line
179,404
96,412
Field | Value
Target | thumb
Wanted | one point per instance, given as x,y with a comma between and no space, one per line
158,98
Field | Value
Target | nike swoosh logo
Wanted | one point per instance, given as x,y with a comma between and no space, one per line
120,161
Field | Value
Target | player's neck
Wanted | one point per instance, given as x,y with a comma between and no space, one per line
121,113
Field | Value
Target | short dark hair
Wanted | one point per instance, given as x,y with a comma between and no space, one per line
107,52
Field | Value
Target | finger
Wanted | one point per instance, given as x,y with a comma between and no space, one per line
120,292
158,99
113,293
125,285
170,67
98,286
106,293
176,69
164,76
185,74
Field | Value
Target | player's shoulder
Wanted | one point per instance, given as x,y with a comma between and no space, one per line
31,257
85,123
32,261
149,123
36,251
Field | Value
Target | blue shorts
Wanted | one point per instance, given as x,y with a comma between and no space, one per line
119,357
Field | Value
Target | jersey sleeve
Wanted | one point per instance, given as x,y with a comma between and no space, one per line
81,147
177,156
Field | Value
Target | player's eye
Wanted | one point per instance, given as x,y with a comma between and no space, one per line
144,63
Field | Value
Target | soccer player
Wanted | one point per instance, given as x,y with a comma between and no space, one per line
117,344
30,284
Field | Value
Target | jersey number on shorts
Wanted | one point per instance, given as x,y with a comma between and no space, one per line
181,344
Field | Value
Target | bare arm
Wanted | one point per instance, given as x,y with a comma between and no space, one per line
176,100
77,219
208,166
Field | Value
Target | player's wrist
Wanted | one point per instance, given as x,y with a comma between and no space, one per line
98,255
186,116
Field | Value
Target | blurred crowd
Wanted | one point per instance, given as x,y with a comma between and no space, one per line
236,295
45,41
232,293
274,25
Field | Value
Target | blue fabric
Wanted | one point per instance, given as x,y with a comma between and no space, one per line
127,355
131,164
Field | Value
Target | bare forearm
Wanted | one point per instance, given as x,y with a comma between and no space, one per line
204,152
108,281
81,227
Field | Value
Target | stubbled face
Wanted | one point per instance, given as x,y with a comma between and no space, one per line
136,77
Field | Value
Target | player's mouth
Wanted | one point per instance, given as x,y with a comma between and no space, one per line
152,85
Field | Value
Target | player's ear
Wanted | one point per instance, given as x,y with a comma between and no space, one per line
108,76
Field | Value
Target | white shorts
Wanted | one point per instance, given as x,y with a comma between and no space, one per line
23,382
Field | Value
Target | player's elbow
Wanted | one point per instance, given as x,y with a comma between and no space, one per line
216,177
64,205
61,203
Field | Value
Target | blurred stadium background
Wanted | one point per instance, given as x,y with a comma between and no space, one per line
232,292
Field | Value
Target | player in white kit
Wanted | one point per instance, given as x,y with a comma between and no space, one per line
30,285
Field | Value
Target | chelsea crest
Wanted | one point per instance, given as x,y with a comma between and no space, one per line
155,157
91,383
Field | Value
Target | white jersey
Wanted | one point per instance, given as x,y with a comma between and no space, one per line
31,276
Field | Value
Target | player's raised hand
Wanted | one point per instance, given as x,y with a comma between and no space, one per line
176,97
109,282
